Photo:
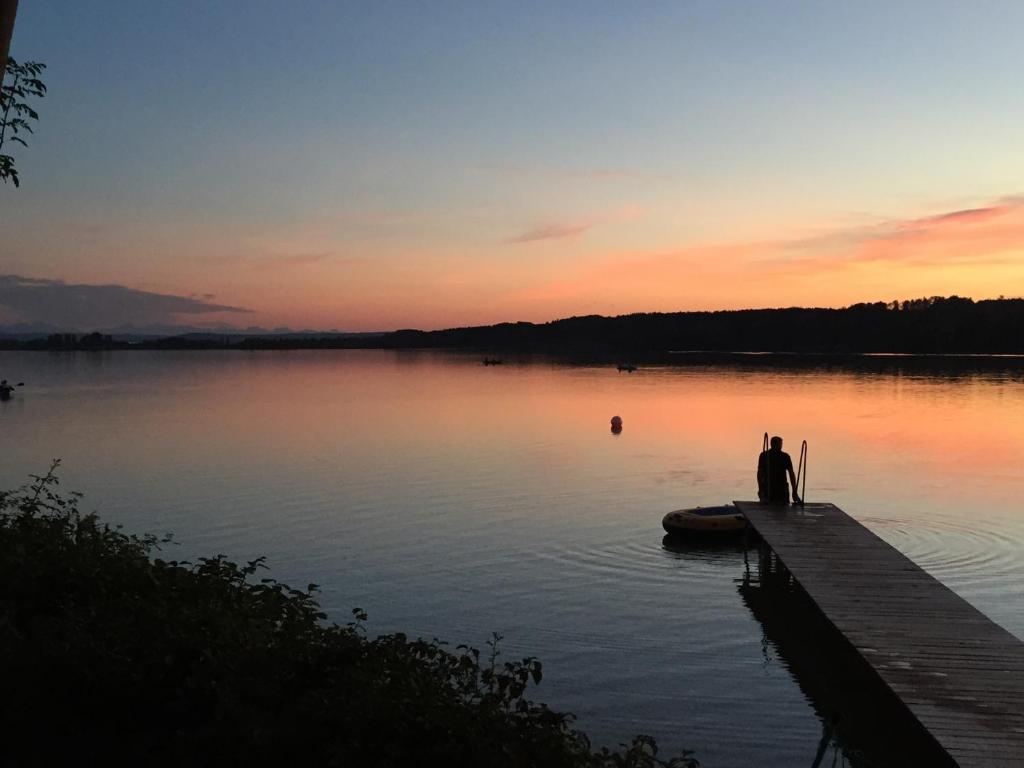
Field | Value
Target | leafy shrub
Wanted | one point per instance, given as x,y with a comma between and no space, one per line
109,654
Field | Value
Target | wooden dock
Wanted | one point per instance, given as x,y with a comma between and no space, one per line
960,675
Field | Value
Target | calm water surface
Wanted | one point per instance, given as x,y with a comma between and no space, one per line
451,499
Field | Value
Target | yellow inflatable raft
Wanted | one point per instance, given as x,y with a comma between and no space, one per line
722,519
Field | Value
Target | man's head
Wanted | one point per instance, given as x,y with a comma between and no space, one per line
777,443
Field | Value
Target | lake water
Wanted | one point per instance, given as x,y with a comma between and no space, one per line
453,500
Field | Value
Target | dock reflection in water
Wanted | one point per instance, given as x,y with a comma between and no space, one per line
863,722
717,548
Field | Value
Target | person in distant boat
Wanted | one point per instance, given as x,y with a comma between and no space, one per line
772,467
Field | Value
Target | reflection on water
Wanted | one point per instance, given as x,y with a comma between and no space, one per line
708,547
453,499
863,722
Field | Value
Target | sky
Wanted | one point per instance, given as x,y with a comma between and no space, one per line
372,166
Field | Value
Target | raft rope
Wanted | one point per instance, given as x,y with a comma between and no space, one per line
801,471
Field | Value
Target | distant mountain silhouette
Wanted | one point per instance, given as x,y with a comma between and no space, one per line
37,329
29,331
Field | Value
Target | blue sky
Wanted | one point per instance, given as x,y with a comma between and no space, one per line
420,139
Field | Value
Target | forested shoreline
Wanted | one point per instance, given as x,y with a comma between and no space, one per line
936,325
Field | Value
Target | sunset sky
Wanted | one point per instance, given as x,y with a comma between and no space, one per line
376,165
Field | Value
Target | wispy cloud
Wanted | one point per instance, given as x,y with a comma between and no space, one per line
271,260
966,215
557,230
979,248
609,174
82,306
289,260
552,230
983,234
580,173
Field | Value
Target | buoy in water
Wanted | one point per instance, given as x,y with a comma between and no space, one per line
722,519
616,425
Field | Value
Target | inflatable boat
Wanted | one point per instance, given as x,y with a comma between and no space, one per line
723,519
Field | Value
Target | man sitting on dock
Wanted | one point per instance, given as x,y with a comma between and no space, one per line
772,466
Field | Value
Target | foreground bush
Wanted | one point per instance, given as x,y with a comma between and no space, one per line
108,654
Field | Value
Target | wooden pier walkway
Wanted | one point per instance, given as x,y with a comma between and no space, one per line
959,673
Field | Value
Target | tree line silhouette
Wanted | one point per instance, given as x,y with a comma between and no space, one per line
935,325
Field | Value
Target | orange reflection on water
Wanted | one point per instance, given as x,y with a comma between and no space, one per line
690,434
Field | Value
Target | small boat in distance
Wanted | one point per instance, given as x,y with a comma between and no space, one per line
722,519
493,361
627,367
6,390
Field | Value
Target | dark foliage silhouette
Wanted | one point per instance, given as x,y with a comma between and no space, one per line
937,325
933,325
20,82
111,656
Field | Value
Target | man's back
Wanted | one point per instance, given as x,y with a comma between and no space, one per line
772,467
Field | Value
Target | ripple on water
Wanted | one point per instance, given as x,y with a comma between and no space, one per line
653,561
979,557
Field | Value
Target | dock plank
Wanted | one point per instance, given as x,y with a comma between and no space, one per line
959,674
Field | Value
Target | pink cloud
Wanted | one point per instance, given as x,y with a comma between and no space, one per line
557,230
968,235
967,215
552,231
982,235
975,249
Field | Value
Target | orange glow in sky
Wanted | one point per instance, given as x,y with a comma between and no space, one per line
675,157
299,280
975,252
